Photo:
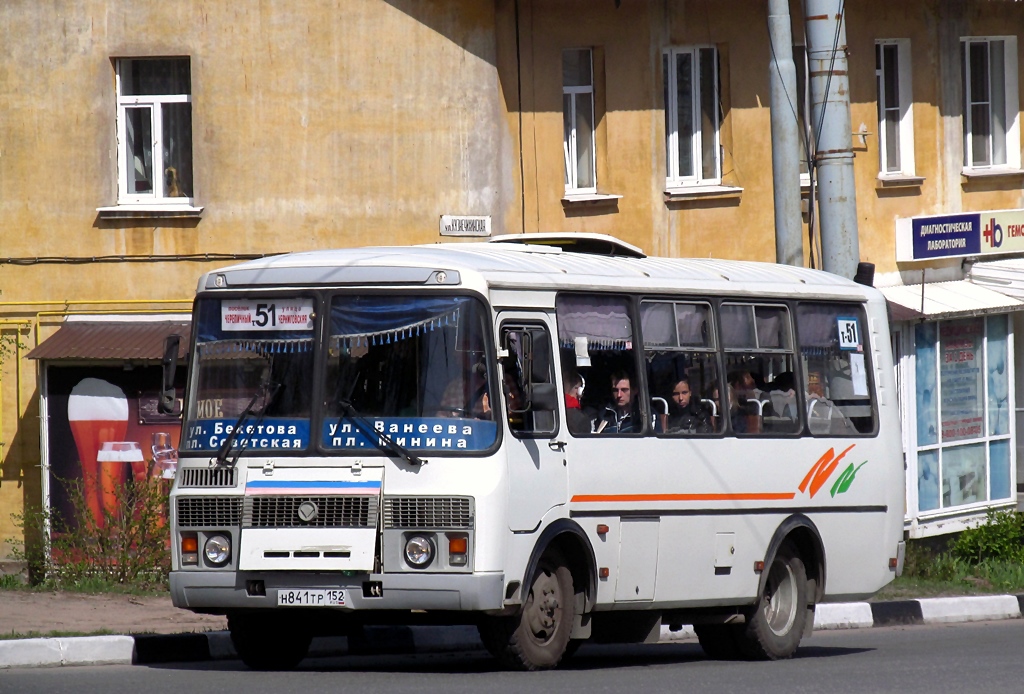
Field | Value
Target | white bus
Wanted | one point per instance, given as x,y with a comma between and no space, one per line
554,438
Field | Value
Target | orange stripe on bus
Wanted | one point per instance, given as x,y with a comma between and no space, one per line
752,496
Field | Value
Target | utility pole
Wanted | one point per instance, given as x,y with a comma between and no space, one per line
785,101
825,29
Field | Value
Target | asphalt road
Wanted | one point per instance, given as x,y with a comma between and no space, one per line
974,657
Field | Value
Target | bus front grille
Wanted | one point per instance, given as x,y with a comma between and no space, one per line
428,512
310,512
209,511
207,477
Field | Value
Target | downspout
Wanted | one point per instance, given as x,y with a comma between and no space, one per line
785,137
825,28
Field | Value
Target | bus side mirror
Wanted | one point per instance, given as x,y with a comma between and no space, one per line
168,396
543,397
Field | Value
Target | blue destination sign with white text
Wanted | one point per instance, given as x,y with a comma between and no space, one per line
417,433
272,434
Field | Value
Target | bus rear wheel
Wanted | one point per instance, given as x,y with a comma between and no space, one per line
269,641
774,630
537,638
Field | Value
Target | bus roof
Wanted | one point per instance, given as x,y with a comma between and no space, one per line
525,266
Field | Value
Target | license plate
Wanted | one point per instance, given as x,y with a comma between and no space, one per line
311,598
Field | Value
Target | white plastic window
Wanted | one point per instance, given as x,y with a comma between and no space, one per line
578,120
895,108
692,116
990,118
154,131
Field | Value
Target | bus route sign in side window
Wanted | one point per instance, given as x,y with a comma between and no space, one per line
253,375
411,367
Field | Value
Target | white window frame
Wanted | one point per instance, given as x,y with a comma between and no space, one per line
905,106
570,141
674,178
154,103
1010,105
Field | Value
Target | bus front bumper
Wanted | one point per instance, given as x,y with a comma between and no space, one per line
219,591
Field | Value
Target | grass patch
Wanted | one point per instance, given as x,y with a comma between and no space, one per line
13,635
985,559
10,582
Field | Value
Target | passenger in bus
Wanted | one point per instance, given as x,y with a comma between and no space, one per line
620,416
575,418
685,414
823,415
782,392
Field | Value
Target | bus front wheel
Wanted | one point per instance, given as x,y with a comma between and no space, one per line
536,638
269,641
774,630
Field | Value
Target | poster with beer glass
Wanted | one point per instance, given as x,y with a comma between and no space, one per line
103,430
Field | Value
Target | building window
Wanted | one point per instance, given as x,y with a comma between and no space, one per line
578,120
154,131
964,405
692,116
991,136
895,108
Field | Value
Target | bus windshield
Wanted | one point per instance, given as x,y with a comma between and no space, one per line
253,369
412,367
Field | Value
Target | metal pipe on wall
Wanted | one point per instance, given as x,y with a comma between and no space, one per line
825,28
789,248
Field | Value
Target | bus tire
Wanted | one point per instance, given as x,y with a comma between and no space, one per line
537,637
270,641
774,630
718,640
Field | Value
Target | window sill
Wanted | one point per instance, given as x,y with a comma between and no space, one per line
590,199
702,193
148,211
994,172
899,181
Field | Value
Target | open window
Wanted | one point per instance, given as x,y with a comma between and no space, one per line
595,337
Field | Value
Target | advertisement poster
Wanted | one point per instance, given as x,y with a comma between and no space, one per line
103,430
960,373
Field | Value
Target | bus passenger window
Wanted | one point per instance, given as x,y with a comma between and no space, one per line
836,373
682,367
595,336
760,363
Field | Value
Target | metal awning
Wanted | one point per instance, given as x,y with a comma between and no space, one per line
959,299
112,340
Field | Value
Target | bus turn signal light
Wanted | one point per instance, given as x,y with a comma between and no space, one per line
189,548
602,529
458,546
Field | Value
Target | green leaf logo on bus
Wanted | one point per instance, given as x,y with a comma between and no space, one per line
822,470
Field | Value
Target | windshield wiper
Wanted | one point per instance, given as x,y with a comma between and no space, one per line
378,438
267,391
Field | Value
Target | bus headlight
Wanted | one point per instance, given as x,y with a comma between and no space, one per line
419,551
217,549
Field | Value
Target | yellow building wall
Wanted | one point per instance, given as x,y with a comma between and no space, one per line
316,124
334,123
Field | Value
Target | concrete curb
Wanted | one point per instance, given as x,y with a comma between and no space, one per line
147,649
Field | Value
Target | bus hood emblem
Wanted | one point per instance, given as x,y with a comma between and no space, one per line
307,511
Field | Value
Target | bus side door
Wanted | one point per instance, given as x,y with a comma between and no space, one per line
535,453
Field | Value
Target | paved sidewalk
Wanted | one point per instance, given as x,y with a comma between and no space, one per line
138,648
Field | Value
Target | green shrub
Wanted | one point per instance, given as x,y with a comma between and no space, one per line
128,548
1000,537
